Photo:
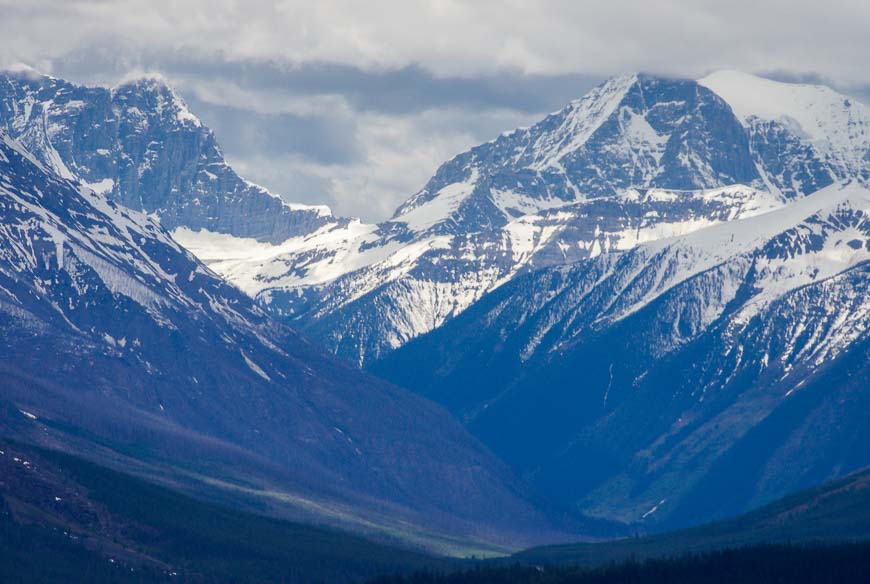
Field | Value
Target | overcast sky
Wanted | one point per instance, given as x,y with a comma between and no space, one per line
355,104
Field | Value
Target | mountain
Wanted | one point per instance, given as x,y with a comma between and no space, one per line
679,250
62,517
687,379
140,145
640,157
118,345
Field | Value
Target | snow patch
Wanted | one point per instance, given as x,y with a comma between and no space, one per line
254,367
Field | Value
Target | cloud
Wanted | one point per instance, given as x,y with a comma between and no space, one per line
328,139
454,38
356,103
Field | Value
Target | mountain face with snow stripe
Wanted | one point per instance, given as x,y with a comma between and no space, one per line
140,144
802,137
698,375
449,273
403,289
117,344
633,132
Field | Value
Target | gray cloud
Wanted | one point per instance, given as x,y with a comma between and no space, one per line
408,89
357,103
686,37
317,137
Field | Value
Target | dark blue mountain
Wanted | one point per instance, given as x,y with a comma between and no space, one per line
117,344
686,379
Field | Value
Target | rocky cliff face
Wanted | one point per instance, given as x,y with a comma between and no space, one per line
139,144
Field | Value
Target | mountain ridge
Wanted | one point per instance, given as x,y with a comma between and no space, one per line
832,512
139,143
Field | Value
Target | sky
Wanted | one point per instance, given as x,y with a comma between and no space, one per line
356,104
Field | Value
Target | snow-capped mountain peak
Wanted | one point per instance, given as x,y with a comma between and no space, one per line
821,113
632,132
166,99
139,143
803,136
579,121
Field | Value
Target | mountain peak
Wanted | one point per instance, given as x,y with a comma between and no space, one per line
158,86
139,142
829,133
815,108
24,70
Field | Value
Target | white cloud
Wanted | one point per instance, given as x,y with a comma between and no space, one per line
454,37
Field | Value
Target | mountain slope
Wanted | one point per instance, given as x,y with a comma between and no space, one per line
365,314
62,517
834,512
117,344
686,379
